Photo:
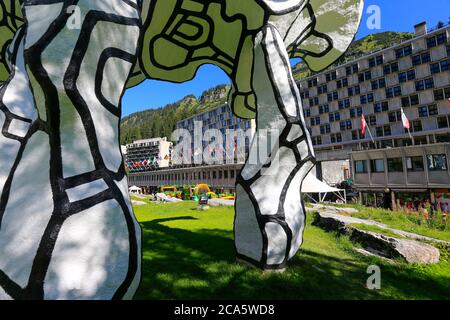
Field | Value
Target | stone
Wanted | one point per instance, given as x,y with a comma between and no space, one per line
389,247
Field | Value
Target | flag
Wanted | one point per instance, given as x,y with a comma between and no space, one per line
363,126
405,120
449,102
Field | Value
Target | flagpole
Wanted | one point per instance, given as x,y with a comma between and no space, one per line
410,135
370,133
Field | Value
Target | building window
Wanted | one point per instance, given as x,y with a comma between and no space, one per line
393,92
333,96
348,70
352,113
336,138
395,116
331,76
361,166
433,110
423,111
312,83
366,76
442,122
354,135
390,68
372,62
420,85
407,76
377,165
363,99
387,130
379,131
379,59
325,129
414,164
441,94
429,83
435,68
403,52
448,50
417,125
437,162
372,120
349,125
324,109
436,40
445,65
395,165
421,58
331,117
322,89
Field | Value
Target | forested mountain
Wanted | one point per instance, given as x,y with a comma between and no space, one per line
161,122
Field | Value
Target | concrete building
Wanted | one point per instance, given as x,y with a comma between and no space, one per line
220,178
147,155
414,75
220,118
414,172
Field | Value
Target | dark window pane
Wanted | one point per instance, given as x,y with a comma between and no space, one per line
395,165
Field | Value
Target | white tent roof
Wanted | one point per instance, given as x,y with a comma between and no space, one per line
312,185
134,188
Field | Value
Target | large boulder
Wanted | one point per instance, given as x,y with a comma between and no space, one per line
389,247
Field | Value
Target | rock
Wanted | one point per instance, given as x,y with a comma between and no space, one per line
138,203
388,247
351,220
165,198
220,202
334,209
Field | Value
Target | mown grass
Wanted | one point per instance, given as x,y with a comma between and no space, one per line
189,254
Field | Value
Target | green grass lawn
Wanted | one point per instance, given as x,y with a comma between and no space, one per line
189,254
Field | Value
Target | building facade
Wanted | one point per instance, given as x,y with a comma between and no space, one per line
404,173
414,75
147,155
220,178
222,119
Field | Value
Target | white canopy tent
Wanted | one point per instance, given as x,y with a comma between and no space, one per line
135,190
312,185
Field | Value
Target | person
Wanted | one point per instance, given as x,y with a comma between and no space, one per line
444,206
425,214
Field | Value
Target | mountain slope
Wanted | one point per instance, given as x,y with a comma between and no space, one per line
367,45
162,122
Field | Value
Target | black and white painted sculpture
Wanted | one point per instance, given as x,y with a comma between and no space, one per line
67,230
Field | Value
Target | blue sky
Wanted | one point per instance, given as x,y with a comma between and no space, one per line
396,15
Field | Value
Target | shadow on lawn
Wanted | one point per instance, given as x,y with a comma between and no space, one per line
182,264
